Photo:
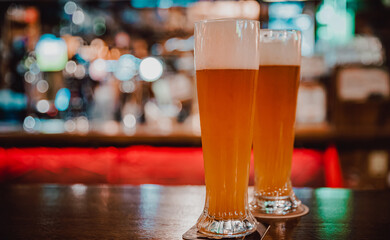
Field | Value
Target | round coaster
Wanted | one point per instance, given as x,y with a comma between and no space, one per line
301,211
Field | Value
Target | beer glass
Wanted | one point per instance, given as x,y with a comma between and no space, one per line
275,106
226,61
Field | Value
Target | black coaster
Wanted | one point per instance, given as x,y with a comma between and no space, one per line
262,228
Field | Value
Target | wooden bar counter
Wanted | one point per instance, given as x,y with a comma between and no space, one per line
161,212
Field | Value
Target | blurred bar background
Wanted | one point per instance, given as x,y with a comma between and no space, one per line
104,91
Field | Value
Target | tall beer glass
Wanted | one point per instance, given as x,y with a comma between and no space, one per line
273,140
226,59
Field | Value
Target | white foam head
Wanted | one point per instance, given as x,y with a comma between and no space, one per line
227,44
280,47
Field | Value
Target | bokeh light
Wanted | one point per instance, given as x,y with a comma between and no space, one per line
99,26
10,100
70,125
71,67
34,68
29,77
52,53
99,29
43,106
127,87
77,103
31,15
78,17
98,69
184,45
129,120
70,7
28,62
42,86
31,124
122,40
82,124
325,14
111,65
150,69
73,43
126,67
115,53
303,21
62,99
80,71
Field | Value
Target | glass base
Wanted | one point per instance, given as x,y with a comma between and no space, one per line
277,207
226,228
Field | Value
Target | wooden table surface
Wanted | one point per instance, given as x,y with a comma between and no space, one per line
160,212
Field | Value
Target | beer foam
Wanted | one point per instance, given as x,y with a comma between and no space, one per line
280,47
226,44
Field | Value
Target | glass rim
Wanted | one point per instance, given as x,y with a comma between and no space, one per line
225,20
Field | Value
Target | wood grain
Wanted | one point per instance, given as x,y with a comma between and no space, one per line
157,212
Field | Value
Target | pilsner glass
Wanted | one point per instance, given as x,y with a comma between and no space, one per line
226,60
275,106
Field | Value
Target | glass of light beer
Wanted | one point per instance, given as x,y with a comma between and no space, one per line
226,61
275,106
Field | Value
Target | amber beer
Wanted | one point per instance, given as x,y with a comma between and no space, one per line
273,137
226,61
273,140
225,99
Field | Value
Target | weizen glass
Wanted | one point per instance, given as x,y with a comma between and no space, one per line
273,140
226,59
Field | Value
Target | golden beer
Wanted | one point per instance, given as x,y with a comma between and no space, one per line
273,139
225,99
226,62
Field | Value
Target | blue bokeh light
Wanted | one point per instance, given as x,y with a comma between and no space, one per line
62,99
126,67
11,100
